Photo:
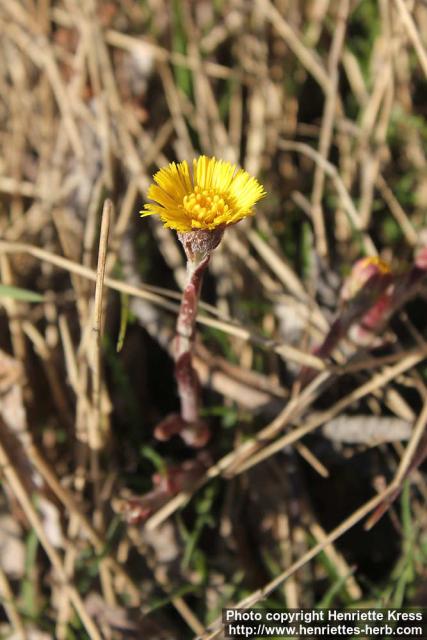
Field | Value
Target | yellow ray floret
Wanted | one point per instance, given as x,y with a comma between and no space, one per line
218,193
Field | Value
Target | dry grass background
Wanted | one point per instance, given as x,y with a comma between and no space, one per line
325,102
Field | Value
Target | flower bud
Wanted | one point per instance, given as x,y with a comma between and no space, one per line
365,269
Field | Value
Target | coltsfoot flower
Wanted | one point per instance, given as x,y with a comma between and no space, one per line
199,206
362,271
216,195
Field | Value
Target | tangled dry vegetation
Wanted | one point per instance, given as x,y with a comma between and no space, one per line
325,102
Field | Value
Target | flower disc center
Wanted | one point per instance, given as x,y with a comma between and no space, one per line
205,204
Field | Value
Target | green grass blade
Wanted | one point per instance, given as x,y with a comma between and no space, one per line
16,293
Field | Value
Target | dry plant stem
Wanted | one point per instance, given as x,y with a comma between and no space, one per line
304,54
327,129
228,461
14,311
96,428
148,293
331,171
70,559
24,500
411,449
413,33
413,456
336,533
46,354
94,433
376,382
7,599
69,501
339,562
161,579
397,211
249,453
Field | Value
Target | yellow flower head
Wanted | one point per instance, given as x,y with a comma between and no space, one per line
217,194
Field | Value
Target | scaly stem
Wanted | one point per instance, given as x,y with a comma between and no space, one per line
188,424
198,246
186,376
